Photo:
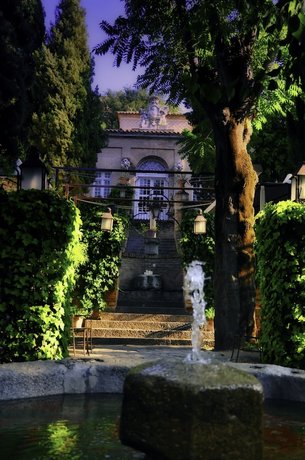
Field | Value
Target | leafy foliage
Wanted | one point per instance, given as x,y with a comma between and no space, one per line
280,249
270,148
21,33
67,125
199,150
178,45
130,100
40,249
101,269
202,248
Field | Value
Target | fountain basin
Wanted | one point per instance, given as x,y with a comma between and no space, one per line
178,410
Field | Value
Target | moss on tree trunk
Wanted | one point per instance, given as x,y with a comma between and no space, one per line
234,260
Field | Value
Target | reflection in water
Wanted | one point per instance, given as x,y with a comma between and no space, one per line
70,427
284,430
80,427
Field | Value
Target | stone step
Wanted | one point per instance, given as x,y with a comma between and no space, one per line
106,316
154,305
140,325
151,298
136,245
99,341
143,342
141,334
151,310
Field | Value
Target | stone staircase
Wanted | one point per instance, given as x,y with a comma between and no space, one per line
166,265
149,316
146,329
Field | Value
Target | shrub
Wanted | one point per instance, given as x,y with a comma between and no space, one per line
40,249
280,250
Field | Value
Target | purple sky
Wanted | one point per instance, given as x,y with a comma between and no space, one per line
106,75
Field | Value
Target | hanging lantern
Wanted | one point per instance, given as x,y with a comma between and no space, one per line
200,224
107,221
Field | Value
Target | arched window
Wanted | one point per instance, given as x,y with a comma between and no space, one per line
152,164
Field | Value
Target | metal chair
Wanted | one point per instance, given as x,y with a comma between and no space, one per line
85,334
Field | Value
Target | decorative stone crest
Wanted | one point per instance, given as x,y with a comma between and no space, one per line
125,163
155,115
179,166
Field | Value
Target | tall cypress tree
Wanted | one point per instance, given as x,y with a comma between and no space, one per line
22,32
67,125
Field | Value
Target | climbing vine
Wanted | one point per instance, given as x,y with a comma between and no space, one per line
39,252
98,274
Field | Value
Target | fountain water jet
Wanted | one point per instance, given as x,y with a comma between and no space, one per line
194,285
191,409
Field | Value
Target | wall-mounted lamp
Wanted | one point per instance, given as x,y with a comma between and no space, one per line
33,173
107,221
200,224
298,185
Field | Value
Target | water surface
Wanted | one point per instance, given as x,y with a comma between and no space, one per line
80,427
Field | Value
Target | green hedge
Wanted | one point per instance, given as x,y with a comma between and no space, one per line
101,269
280,250
202,248
40,249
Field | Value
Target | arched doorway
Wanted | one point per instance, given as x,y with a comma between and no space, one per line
151,186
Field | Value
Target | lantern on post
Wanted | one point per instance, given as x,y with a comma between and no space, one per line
301,183
107,221
200,224
155,209
33,173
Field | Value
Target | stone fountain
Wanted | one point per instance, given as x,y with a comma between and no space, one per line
148,281
193,409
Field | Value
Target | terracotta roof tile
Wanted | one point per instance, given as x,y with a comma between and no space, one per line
146,131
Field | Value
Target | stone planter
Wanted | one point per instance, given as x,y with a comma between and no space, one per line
151,246
78,321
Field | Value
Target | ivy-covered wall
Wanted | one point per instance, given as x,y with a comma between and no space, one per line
39,251
199,247
280,250
101,269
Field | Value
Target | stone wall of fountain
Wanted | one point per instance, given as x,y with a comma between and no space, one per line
177,410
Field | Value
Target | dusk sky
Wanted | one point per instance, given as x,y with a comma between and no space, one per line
106,75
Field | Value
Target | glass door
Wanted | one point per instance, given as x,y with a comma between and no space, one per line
151,188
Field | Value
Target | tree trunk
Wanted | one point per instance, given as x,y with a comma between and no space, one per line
235,181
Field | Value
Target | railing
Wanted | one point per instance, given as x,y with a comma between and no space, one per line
174,188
